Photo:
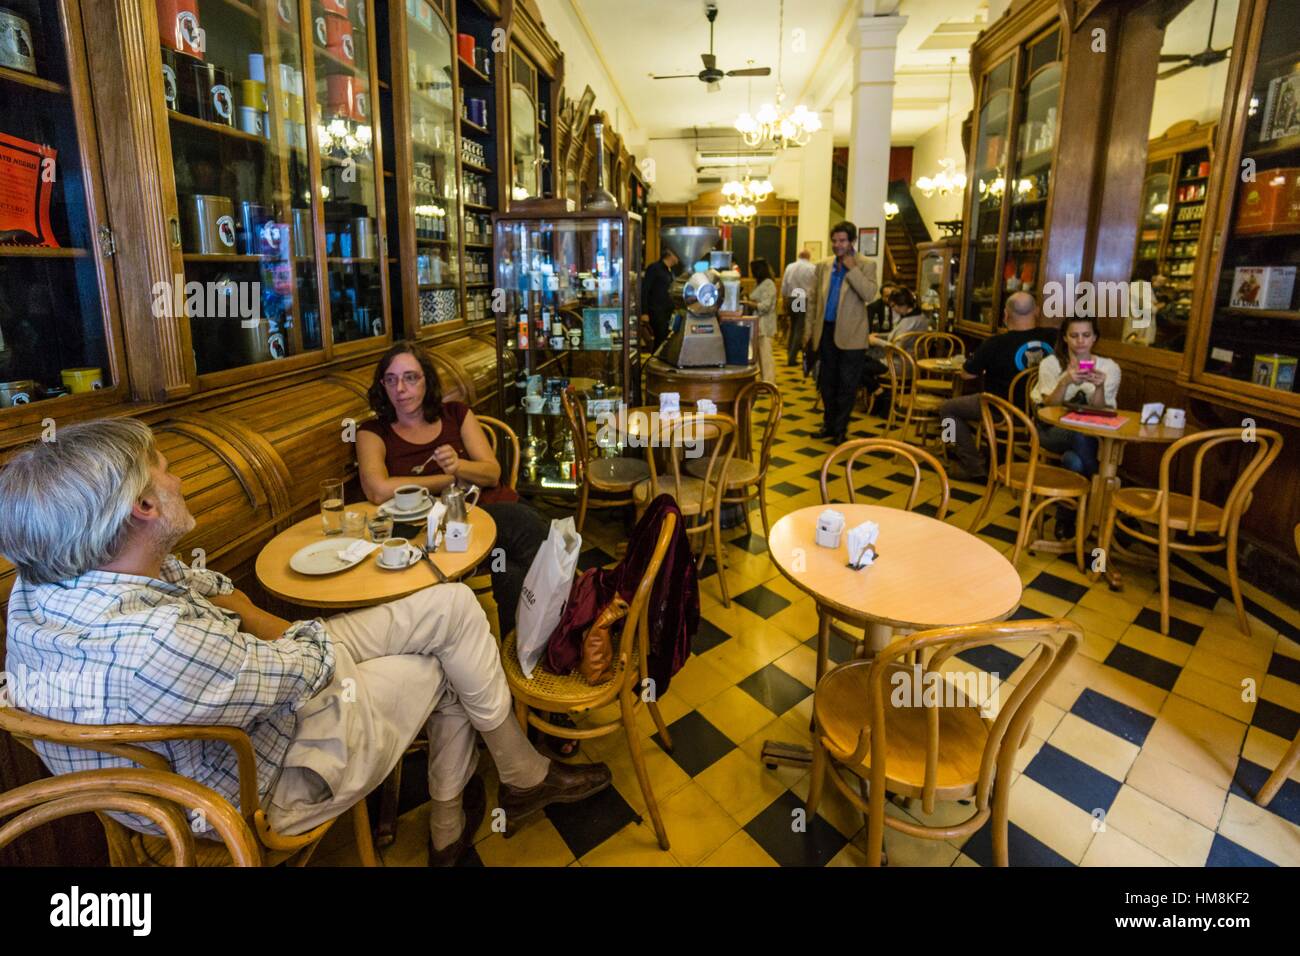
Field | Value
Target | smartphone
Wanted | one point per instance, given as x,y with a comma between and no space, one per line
1087,365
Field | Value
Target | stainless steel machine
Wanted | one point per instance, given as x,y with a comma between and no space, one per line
697,340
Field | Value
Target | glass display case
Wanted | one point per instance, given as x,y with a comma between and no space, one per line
1249,339
571,306
936,289
233,84
1009,192
56,280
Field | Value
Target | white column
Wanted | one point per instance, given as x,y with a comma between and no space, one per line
875,42
815,188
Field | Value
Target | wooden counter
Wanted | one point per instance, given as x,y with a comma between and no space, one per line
719,385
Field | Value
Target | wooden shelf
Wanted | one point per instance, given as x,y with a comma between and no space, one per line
466,121
43,252
1265,313
476,205
476,167
349,260
478,245
243,8
336,60
432,101
478,285
423,286
218,257
472,70
219,128
35,82
1269,233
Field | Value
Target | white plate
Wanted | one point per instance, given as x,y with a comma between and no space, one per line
322,557
390,508
415,555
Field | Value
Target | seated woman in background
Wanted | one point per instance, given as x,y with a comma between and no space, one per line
414,426
1073,375
907,317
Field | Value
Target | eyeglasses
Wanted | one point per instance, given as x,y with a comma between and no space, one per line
411,379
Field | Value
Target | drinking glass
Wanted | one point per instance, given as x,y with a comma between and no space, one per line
354,524
331,505
381,528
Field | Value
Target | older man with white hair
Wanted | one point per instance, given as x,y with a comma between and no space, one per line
101,605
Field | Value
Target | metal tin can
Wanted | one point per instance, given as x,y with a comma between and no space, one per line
18,392
16,49
209,223
82,379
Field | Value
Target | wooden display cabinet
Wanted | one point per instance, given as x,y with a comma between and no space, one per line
936,280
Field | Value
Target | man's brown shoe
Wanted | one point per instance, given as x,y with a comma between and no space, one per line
473,801
564,783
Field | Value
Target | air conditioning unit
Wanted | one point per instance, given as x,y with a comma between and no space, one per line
721,158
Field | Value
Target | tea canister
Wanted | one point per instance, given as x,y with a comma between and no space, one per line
209,225
82,379
16,49
19,392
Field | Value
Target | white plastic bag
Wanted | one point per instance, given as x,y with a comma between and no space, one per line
545,592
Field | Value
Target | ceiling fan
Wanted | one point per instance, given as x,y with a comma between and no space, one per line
711,75
1207,57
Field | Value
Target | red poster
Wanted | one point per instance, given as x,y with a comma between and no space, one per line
26,181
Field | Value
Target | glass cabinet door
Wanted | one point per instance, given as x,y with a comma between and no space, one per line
232,85
349,169
1151,227
1254,333
524,157
986,191
1032,177
53,328
930,281
434,189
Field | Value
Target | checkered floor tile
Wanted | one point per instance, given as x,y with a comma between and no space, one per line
1148,749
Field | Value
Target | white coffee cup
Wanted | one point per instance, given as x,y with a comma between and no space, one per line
395,553
534,403
410,497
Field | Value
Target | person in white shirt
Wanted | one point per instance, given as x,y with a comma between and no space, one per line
1074,375
802,275
763,299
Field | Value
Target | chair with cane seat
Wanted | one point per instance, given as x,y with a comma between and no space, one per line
746,475
698,499
547,693
607,476
898,724
1017,464
938,345
906,403
1292,756
850,452
1191,514
167,800
129,848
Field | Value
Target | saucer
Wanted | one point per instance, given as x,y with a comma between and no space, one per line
414,557
390,508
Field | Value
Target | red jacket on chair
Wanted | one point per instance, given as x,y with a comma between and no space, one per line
674,612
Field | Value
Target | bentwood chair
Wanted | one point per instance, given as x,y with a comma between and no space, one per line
1018,466
850,452
1292,756
129,848
939,345
899,724
612,478
906,404
699,499
1188,522
1021,390
498,434
746,475
546,693
168,800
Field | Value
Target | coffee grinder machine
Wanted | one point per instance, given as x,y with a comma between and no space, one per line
696,342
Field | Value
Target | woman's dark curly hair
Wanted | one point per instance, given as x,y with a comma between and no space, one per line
903,297
378,395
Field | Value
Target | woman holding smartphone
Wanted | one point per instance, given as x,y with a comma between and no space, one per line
1073,375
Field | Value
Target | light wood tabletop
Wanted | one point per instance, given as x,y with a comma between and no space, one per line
1132,430
954,364
365,584
929,573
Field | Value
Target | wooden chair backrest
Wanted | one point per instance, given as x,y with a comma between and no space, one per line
510,467
746,402
161,797
695,430
576,415
1006,428
636,626
902,375
851,451
939,345
1053,643
1268,445
1020,391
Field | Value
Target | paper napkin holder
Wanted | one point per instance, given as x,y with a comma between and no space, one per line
670,403
862,545
456,536
705,407
434,533
1152,413
830,525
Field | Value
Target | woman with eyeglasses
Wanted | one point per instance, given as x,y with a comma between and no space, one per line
413,426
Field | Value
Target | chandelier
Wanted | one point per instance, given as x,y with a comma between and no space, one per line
737,212
949,179
340,138
773,126
752,191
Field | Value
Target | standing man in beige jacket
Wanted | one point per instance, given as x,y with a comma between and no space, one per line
837,327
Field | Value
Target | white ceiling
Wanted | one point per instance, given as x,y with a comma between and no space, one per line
636,39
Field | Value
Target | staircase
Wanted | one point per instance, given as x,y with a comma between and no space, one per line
902,233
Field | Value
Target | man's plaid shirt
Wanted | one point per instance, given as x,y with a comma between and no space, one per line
106,648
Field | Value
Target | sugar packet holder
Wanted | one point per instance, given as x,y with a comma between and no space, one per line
862,545
456,536
670,403
830,525
433,537
706,407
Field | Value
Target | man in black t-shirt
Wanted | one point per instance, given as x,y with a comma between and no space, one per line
1001,358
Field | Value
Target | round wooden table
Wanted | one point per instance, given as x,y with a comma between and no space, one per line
948,365
364,584
929,573
1110,452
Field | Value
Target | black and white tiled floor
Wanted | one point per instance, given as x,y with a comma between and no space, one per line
1147,751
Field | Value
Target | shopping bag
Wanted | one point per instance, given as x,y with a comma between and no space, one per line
546,588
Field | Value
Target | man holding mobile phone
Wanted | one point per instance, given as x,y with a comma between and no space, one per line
837,328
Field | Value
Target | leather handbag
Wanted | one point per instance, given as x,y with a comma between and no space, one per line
597,662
